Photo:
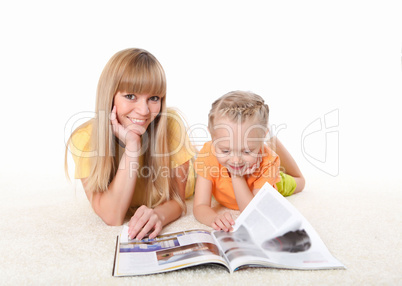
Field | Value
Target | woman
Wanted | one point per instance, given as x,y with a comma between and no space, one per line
135,154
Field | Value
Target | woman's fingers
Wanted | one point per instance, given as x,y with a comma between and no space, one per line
113,117
156,226
133,225
116,126
126,134
142,222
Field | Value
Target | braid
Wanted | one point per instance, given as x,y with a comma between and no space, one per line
248,109
240,105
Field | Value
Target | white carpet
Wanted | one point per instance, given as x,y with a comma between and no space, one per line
50,236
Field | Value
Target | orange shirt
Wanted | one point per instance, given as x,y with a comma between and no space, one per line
207,166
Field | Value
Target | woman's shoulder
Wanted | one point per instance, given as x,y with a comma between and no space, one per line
176,128
174,119
80,149
82,135
180,147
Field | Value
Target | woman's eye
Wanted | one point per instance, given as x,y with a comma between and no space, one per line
225,151
130,96
154,98
247,152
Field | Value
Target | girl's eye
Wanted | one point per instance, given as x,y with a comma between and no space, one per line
130,96
154,98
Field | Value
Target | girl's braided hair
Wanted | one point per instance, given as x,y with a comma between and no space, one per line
239,106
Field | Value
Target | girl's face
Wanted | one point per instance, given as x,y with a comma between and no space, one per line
237,145
137,109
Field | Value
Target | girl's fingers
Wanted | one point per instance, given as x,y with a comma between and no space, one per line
223,223
215,226
259,160
229,218
253,168
220,224
227,224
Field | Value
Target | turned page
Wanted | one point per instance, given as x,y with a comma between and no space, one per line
269,215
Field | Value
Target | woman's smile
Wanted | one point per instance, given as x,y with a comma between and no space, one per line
137,121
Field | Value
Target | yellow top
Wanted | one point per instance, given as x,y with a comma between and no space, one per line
178,144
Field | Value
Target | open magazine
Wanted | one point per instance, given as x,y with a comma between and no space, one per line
270,232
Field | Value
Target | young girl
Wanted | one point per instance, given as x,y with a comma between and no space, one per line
236,163
135,153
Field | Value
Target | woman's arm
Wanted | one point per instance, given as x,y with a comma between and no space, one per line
288,164
202,207
111,206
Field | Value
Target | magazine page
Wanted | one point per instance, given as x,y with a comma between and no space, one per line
239,249
276,234
166,252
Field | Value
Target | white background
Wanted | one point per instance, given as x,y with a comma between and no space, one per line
306,58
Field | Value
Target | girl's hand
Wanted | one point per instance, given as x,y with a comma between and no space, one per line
223,221
128,135
247,170
142,222
251,170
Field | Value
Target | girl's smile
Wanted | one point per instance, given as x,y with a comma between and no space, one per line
236,168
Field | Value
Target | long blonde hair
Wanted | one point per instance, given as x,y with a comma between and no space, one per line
135,71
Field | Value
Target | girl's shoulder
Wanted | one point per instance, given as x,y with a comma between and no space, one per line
206,155
269,155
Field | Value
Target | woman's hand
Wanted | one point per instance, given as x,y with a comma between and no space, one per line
223,222
142,222
130,137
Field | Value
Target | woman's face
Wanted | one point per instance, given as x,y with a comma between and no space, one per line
137,109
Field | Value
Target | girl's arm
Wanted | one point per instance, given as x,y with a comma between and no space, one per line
202,207
288,164
241,189
146,219
242,192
